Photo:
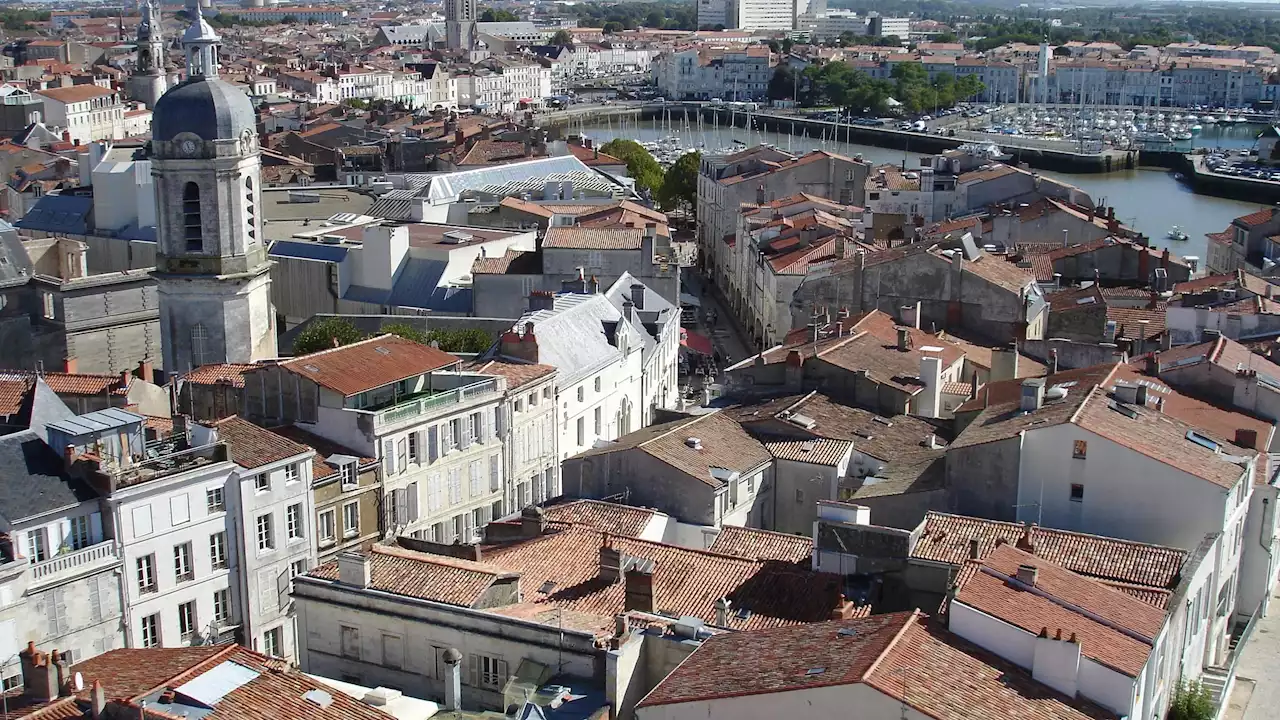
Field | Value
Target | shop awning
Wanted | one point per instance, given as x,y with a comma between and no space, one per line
700,344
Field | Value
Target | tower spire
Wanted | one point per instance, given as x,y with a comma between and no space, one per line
201,44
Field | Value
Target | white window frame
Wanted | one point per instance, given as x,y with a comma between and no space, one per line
350,475
222,605
145,567
262,483
214,500
184,569
328,527
187,624
218,550
150,635
265,532
349,511
291,474
294,522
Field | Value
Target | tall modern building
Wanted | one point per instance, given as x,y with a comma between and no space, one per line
211,265
148,81
460,24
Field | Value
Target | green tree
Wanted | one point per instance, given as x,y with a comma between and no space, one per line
782,85
612,27
1191,701
562,37
787,44
357,103
406,331
654,19
289,20
492,15
460,340
640,164
326,333
680,184
945,37
968,87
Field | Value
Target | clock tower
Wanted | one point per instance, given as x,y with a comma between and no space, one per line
211,263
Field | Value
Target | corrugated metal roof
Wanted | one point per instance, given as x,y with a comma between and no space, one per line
447,186
308,251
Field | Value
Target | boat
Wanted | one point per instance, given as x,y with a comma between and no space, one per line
1196,129
1177,234
1208,120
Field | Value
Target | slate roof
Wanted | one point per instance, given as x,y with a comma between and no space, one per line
945,538
1113,628
571,336
906,656
35,479
424,576
368,364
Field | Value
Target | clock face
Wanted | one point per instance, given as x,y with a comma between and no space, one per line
189,147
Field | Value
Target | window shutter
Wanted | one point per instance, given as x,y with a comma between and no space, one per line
433,442
389,456
473,670
486,426
493,473
282,588
502,672
24,548
402,454
95,528
95,600
412,492
500,420
402,506
64,536
466,433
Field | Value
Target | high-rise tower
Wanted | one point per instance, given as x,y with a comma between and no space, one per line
211,265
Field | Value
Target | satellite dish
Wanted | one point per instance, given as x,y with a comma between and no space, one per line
79,682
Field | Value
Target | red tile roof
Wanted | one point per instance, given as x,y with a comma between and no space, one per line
906,656
368,364
1254,219
324,448
517,374
72,383
226,373
592,238
946,538
422,575
685,581
252,447
603,516
755,544
1113,628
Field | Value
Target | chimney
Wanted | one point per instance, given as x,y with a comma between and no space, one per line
611,570
63,673
638,593
1053,361
904,339
1032,394
541,300
39,676
637,296
97,700
125,377
909,315
353,569
593,286
1004,363
145,372
70,365
930,399
1153,364
1027,575
458,138
453,680
533,522
760,199
722,612
1025,543
1067,233
957,261
1247,438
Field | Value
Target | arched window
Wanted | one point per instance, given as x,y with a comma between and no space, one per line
192,229
250,212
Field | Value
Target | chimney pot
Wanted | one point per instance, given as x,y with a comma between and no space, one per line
453,680
904,339
638,593
611,569
1027,575
722,612
533,522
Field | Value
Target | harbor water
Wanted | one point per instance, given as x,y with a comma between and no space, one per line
1151,201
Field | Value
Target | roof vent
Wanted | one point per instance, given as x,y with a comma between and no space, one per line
847,632
693,443
311,368
382,351
814,671
803,421
457,237
1202,441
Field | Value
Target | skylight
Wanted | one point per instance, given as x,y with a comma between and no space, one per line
815,671
1202,441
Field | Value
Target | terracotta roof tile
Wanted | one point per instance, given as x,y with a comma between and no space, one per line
13,391
75,93
606,517
1105,620
946,538
229,373
814,452
685,581
755,544
517,374
1254,219
584,238
425,576
724,444
252,447
72,383
123,675
355,368
324,448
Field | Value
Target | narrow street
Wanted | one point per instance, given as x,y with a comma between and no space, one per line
725,334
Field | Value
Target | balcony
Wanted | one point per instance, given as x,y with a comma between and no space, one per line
432,403
72,564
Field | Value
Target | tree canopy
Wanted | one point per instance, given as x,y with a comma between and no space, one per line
680,184
562,37
662,15
333,332
640,164
324,334
495,15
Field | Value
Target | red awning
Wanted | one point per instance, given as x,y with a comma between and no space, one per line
698,343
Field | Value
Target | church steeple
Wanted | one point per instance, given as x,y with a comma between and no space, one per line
212,269
148,80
